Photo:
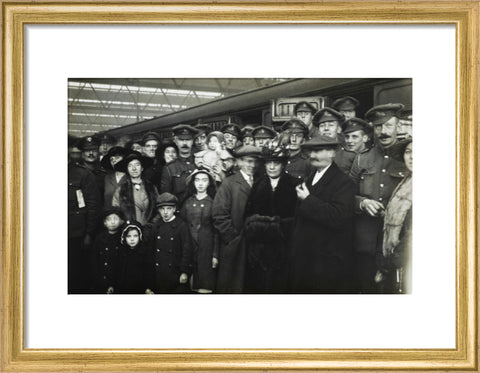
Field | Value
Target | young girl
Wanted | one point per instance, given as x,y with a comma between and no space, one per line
132,275
210,158
197,212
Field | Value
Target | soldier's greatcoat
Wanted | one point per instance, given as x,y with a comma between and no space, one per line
174,177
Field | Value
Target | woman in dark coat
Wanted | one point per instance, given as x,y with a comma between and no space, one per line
268,225
197,212
113,178
137,196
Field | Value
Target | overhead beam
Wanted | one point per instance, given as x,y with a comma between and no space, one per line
229,105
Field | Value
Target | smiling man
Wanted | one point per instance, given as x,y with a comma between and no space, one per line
357,135
322,241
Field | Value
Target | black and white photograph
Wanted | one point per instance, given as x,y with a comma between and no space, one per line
240,185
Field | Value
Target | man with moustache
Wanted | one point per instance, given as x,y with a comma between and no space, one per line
176,172
322,241
91,159
84,208
298,164
228,216
347,106
376,174
304,111
357,135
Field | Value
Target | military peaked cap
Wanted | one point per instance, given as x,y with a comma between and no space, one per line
304,106
107,139
150,136
88,143
232,129
263,132
345,103
356,124
380,114
184,131
327,114
295,126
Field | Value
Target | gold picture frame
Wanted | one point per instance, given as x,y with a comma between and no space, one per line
463,14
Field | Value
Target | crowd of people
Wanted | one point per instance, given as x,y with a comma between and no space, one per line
322,205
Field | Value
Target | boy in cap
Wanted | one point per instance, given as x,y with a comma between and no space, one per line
105,250
175,173
172,248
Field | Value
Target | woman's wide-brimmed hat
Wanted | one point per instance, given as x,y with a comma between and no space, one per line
123,164
278,153
116,150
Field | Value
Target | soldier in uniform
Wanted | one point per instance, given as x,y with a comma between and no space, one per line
262,134
247,137
175,173
305,111
200,138
83,217
377,174
150,142
347,106
90,155
357,134
232,135
329,123
106,143
298,164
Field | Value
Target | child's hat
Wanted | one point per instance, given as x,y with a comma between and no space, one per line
197,171
131,224
166,199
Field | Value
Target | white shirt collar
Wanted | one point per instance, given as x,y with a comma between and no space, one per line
172,219
274,182
246,177
319,174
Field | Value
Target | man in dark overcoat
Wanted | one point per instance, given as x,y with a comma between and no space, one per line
322,240
228,215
